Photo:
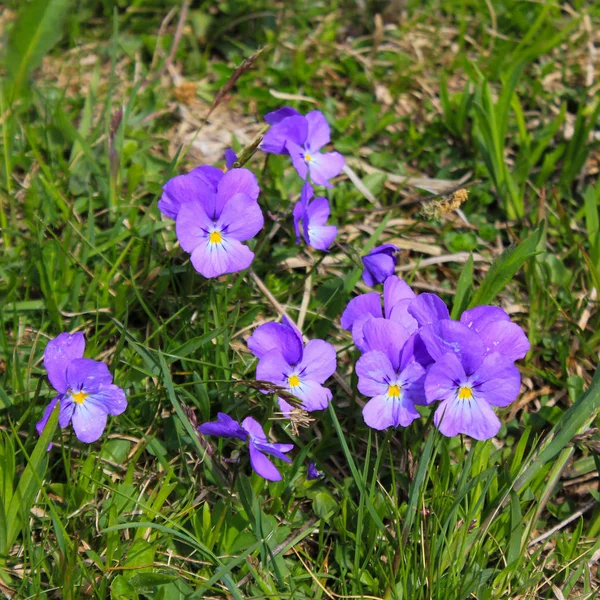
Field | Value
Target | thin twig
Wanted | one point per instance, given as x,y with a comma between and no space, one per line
564,523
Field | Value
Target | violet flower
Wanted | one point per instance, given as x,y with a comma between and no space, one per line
258,443
85,388
390,375
313,215
379,264
212,223
467,380
313,473
302,137
286,362
397,297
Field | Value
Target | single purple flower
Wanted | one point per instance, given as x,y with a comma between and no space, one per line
497,331
379,264
230,158
313,215
302,137
259,445
390,375
211,224
183,188
285,362
467,381
85,389
313,473
397,297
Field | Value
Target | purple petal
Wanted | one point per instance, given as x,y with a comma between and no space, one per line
285,407
317,212
297,154
480,317
313,473
89,421
382,412
377,268
415,348
228,256
254,429
358,335
444,378
277,116
399,314
394,291
41,424
472,417
67,407
365,303
224,426
230,158
321,237
274,368
298,214
375,371
198,185
292,129
241,218
237,181
112,398
319,361
262,465
58,355
451,336
282,337
312,395
192,226
84,374
497,381
412,380
318,131
324,167
386,336
273,449
507,338
428,308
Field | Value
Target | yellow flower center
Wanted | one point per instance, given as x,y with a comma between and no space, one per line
394,391
308,158
79,397
215,237
294,381
465,393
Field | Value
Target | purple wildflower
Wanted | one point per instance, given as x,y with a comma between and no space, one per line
397,297
259,445
287,363
85,388
183,188
467,380
302,137
230,158
313,473
313,215
379,264
212,222
390,375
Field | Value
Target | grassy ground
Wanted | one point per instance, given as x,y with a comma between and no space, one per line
102,102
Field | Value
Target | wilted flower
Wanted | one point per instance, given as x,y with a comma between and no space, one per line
313,215
211,224
302,137
379,264
85,388
285,362
389,374
230,158
467,380
313,473
259,445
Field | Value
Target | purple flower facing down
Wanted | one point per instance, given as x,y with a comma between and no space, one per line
302,137
313,215
212,223
183,188
497,331
379,264
313,473
230,158
85,389
389,374
285,362
467,381
397,297
258,443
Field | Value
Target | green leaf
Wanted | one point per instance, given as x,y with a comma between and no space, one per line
464,289
506,266
38,28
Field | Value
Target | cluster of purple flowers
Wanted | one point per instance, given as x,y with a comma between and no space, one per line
214,212
414,354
